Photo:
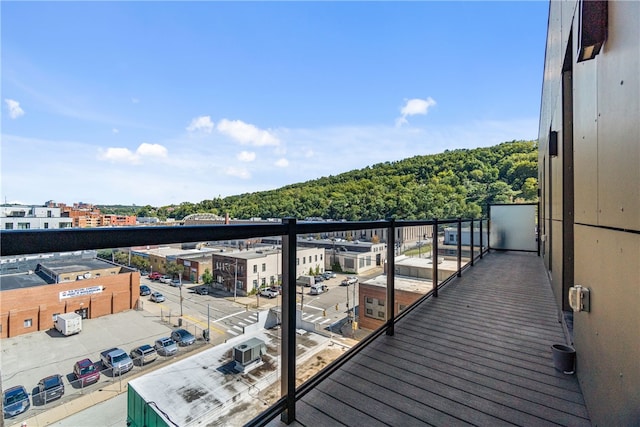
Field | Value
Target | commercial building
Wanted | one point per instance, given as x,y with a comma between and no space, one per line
22,217
413,279
37,288
589,177
261,267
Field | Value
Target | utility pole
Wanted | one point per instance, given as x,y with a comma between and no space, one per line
348,309
235,281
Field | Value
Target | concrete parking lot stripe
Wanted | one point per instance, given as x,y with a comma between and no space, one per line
232,332
238,328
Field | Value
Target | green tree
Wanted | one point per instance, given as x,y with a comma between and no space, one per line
207,277
174,269
530,189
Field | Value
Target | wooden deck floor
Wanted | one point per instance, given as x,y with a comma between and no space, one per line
477,355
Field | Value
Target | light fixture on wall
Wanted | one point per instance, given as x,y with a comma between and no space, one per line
592,28
553,143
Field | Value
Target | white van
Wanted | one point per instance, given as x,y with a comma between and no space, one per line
317,289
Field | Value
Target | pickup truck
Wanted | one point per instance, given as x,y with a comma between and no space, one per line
117,360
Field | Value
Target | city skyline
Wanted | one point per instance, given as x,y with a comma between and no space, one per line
160,103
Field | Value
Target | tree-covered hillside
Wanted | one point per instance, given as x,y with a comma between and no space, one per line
447,185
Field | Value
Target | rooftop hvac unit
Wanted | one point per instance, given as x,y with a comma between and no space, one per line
248,355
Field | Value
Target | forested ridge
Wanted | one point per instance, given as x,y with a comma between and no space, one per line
447,185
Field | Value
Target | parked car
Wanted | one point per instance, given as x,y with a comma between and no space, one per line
155,276
157,297
351,280
15,401
165,279
318,278
318,289
175,282
145,290
202,290
117,360
183,337
86,372
166,346
50,388
268,292
328,275
277,289
143,354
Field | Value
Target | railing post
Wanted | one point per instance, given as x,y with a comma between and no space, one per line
288,344
481,245
391,273
434,258
459,247
471,242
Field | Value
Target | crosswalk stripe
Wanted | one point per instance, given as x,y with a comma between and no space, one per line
231,332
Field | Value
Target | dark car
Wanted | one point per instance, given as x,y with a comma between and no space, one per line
202,290
50,388
319,278
86,372
166,346
143,354
145,290
15,401
183,337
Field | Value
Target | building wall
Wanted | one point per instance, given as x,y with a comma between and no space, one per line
604,131
379,293
40,303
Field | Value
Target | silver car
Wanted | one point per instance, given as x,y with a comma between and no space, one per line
183,337
166,346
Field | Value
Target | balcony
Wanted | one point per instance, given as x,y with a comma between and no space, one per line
478,354
473,350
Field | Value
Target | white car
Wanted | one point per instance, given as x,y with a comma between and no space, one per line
165,279
269,293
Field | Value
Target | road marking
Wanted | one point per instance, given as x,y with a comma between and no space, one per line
229,331
238,328
230,315
202,324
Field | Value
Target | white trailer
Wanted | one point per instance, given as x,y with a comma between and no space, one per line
68,323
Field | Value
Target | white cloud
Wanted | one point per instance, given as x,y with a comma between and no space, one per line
152,150
246,133
135,100
282,163
414,106
246,156
237,172
120,155
124,155
114,130
201,123
14,108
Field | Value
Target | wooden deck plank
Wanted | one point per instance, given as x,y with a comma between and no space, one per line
479,354
482,386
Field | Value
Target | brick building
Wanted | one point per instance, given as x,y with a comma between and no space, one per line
35,289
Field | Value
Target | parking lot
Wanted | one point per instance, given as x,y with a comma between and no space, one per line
28,358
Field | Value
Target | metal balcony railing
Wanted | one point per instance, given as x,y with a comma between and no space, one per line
22,242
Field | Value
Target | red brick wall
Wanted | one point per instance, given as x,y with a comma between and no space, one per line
40,303
402,298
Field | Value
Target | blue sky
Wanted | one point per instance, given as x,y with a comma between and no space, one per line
164,102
